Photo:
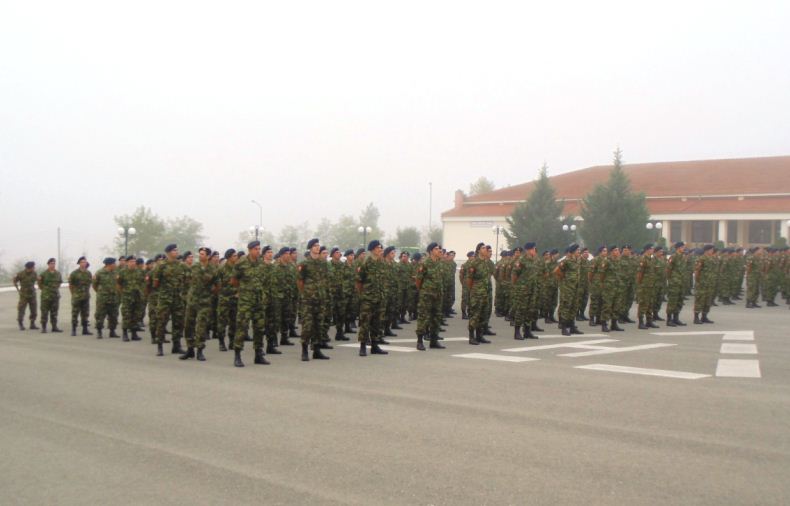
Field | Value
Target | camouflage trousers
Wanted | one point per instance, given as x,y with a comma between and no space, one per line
479,308
568,307
610,293
131,305
49,309
196,324
251,311
429,313
152,306
312,319
371,319
170,310
274,311
25,302
465,299
596,299
703,297
80,309
752,288
339,311
583,294
287,315
523,307
675,297
106,308
645,298
227,311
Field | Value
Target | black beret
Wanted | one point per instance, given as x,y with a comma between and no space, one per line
417,257
626,246
265,249
432,247
613,247
51,261
601,248
348,252
707,247
554,251
30,265
206,249
658,248
530,245
518,248
253,244
389,249
470,254
293,250
186,255
546,252
109,261
170,247
140,261
311,243
334,250
149,261
647,246
241,254
479,245
283,251
80,259
375,243
130,257
451,252
322,248
679,244
360,251
405,253
160,256
585,249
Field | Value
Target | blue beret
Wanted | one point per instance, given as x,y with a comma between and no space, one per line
613,247
311,243
283,251
140,261
389,249
80,259
293,250
229,253
109,261
170,247
149,261
433,246
375,243
266,248
206,249
348,253
601,248
30,265
417,257
554,251
253,244
334,250
628,246
679,244
707,247
187,254
658,248
322,248
470,254
529,245
360,251
648,246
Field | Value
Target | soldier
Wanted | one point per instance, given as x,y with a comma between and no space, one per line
628,264
228,303
646,288
414,295
675,273
248,277
370,285
428,281
273,295
204,281
131,283
49,282
584,284
704,278
524,286
478,279
168,282
294,299
283,279
449,295
391,293
25,284
337,295
567,274
753,272
550,286
311,272
612,289
80,288
594,282
151,294
349,293
464,288
405,284
661,282
106,287
214,325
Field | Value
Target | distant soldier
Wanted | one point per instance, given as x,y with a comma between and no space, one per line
584,285
106,287
25,284
567,274
204,281
131,283
550,286
661,282
704,284
169,284
80,287
214,260
627,266
49,282
151,294
228,304
349,293
273,296
464,288
337,295
248,276
405,274
675,272
284,279
753,273
428,281
391,293
478,279
525,272
370,284
310,276
646,288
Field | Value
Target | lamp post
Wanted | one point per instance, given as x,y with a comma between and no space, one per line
658,226
125,232
364,231
497,230
570,228
255,231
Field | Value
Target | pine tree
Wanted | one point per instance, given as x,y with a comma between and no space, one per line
537,219
613,213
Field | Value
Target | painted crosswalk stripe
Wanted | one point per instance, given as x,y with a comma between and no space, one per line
643,371
739,335
739,348
500,358
738,368
727,335
384,347
607,351
579,344
414,339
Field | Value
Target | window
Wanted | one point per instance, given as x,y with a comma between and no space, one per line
732,232
760,231
675,230
702,231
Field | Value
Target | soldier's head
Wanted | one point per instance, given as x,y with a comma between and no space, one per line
121,262
284,255
648,250
189,258
131,262
254,249
530,249
416,258
603,251
658,251
203,254
293,255
434,251
680,247
375,248
214,258
585,253
314,246
485,252
708,250
573,250
389,253
335,253
323,252
30,266
517,251
109,264
404,256
267,253
171,251
626,250
51,264
451,255
83,263
614,251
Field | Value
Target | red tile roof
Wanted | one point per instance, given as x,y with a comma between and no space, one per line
768,176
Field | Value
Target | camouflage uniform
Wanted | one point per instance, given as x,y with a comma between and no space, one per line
524,290
169,285
676,274
250,276
646,288
337,294
705,280
80,287
227,305
371,275
465,288
50,282
27,295
311,272
429,306
107,298
203,281
480,273
568,285
131,283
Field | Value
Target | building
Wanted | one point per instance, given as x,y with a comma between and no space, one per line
742,201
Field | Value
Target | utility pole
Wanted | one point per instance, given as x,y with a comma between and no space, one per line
59,267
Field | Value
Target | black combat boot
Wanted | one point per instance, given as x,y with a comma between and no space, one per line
593,320
696,319
535,327
604,327
615,326
395,326
317,355
200,356
388,332
657,317
85,331
528,334
566,329
98,334
770,303
270,349
347,329
237,359
363,352
642,325
481,337
33,325
651,324
464,315
435,344
420,343
305,354
292,331
284,341
159,351
376,350
705,318
55,327
627,319
472,338
517,335
113,334
677,321
73,330
21,325
222,346
340,337
125,337
190,353
135,337
575,330
259,357
176,347
44,327
671,321
488,332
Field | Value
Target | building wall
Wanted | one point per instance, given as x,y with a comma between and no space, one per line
462,235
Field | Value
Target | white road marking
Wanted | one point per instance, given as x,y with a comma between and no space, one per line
739,348
608,350
584,345
414,339
383,347
739,335
500,358
735,368
643,371
727,335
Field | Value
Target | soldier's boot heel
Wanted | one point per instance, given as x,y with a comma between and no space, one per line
135,337
435,344
305,355
677,321
642,325
651,324
528,334
200,355
696,319
375,349
125,337
237,359
222,346
284,340
99,334
535,327
575,330
21,325
85,331
113,334
472,337
363,352
318,355
517,334
614,326
55,327
604,327
33,326
271,350
73,330
671,321
420,343
259,357
657,317
43,328
190,353
566,330
705,318
159,351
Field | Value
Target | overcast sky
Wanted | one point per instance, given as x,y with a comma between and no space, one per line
316,109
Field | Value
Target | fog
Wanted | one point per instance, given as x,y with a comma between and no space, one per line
317,109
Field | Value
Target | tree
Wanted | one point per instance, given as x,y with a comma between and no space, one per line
370,218
245,236
407,237
344,233
185,232
482,185
537,219
613,213
295,236
149,236
434,234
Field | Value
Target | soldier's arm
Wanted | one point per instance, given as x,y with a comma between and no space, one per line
558,272
40,281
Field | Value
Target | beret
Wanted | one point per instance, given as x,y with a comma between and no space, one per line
451,252
109,261
375,243
554,251
613,247
432,247
405,253
170,247
518,248
546,252
206,249
80,259
149,261
389,249
215,253
28,265
679,244
322,249
647,246
51,261
253,244
626,246
241,254
348,252
470,254
186,255
585,249
140,261
334,250
283,251
530,245
360,251
707,247
311,243
293,250
130,257
601,248
658,248
266,248
479,245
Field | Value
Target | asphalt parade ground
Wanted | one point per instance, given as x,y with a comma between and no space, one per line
691,415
